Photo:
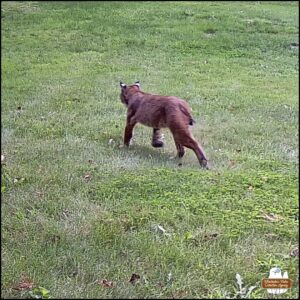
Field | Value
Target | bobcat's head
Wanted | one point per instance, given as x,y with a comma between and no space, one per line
126,91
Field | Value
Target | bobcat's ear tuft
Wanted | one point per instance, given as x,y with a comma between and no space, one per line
122,85
137,83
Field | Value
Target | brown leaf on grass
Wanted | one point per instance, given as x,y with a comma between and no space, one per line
134,278
105,283
232,163
270,217
53,238
25,284
212,236
179,294
271,235
295,252
160,285
250,188
87,177
40,194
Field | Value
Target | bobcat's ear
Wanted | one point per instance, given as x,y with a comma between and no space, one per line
137,83
122,85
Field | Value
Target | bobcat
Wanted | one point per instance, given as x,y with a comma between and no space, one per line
160,112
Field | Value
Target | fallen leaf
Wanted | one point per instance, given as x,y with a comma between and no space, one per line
25,283
2,157
271,235
161,230
179,294
250,188
54,238
87,177
272,217
294,252
18,179
105,283
212,236
134,278
160,285
232,163
40,194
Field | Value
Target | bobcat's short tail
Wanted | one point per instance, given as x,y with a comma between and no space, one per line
187,113
192,121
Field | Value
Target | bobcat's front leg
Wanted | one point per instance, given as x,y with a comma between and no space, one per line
129,130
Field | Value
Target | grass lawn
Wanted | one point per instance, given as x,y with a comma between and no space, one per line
81,214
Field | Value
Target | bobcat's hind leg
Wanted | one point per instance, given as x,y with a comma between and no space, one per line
157,138
180,150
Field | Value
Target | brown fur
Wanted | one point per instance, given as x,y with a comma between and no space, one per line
160,112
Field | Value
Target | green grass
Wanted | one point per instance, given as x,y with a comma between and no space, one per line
62,119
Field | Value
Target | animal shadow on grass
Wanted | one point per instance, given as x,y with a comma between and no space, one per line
158,156
147,152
